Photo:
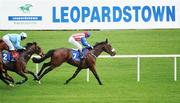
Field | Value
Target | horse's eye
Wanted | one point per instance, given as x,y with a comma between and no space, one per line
37,49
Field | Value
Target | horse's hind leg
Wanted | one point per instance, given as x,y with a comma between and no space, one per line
1,73
44,66
74,75
46,71
95,74
9,78
3,79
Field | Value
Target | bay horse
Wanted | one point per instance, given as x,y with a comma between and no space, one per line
19,66
59,56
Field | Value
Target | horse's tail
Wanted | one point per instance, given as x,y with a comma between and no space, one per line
47,55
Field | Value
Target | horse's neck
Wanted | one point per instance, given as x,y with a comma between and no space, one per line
97,51
27,55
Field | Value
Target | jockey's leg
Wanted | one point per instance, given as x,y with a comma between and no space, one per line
8,42
75,43
14,54
78,45
10,45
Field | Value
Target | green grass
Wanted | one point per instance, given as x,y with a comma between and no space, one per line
118,75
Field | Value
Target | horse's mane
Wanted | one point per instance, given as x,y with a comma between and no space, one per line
29,45
1,40
99,43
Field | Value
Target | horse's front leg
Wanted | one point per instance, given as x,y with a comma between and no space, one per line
30,72
93,70
20,68
22,75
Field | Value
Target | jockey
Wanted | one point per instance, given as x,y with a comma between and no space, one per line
13,42
78,38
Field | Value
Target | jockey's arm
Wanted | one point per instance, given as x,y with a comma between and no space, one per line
17,45
84,42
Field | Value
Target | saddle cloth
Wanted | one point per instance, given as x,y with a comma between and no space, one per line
7,57
76,54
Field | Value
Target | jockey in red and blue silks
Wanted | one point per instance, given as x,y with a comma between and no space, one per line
78,38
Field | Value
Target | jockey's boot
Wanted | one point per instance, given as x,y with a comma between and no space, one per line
81,55
14,54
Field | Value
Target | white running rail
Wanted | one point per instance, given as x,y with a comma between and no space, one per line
138,57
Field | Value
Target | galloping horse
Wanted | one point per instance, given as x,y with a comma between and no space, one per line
19,66
59,56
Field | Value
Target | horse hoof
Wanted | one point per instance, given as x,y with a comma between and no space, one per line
39,82
101,84
35,79
66,83
18,83
11,85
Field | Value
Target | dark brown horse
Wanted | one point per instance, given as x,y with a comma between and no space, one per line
59,56
19,66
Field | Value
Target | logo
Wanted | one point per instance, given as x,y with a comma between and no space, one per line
25,8
26,17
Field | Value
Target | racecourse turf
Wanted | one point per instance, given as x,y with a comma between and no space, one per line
118,75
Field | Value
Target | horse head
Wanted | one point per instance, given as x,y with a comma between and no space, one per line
106,47
34,48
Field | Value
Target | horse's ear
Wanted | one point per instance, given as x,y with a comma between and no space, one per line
34,43
106,40
29,44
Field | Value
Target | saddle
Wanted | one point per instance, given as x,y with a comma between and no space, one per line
76,54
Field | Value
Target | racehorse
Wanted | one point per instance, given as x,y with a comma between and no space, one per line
59,56
19,66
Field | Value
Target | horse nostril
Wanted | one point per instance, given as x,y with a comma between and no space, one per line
114,53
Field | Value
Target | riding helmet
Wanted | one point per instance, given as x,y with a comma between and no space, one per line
23,35
87,33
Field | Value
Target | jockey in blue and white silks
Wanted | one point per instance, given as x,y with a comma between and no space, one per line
78,38
13,42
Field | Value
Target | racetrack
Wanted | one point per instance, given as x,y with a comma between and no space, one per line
118,75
